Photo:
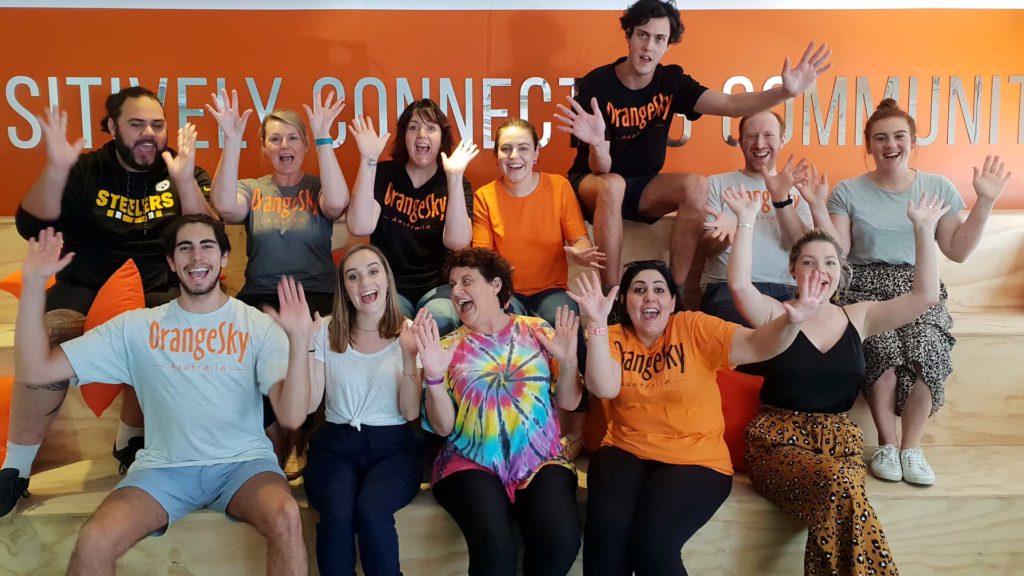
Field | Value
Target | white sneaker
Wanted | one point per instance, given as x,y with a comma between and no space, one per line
885,463
915,468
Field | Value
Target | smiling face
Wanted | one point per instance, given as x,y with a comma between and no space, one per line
284,146
517,154
474,298
423,141
649,303
818,256
197,259
647,45
760,142
890,142
365,282
140,133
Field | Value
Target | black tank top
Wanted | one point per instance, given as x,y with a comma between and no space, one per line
803,379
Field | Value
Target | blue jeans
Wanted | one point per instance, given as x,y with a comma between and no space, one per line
356,480
439,302
717,300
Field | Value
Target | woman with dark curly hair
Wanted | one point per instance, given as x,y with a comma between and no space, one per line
492,387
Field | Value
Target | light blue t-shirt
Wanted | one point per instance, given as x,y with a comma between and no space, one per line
198,377
879,228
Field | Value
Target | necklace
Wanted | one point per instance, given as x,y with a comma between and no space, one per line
363,330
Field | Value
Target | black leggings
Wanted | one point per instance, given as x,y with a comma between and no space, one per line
640,513
546,511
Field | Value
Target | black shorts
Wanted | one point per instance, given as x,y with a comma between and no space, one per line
635,186
70,296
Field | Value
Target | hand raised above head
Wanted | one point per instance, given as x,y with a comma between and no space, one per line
60,153
369,143
226,111
182,166
812,64
322,115
587,126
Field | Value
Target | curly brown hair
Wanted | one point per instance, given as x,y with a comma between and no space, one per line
488,263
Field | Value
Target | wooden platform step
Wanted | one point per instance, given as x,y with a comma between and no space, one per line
970,523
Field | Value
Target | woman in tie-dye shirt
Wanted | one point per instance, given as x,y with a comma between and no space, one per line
492,386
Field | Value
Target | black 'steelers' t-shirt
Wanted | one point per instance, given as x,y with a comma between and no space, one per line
108,215
636,121
410,231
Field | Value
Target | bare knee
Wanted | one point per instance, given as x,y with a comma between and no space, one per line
95,548
611,191
284,522
693,195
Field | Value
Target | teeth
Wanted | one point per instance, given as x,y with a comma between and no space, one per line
368,292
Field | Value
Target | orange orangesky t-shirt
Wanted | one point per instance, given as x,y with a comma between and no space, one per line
669,408
530,231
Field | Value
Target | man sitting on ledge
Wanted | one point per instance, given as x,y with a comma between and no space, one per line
199,364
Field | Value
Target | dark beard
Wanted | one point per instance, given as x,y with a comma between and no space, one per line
127,155
202,291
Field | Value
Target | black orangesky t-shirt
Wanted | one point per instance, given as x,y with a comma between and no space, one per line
410,230
637,122
109,215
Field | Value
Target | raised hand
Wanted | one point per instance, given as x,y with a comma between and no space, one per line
407,337
369,144
225,111
322,116
744,204
814,190
812,294
989,179
455,165
797,79
434,358
60,153
43,259
927,212
183,165
723,227
563,346
586,126
780,183
587,257
594,305
292,314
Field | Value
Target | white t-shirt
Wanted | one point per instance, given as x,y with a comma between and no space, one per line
361,388
770,259
879,228
198,378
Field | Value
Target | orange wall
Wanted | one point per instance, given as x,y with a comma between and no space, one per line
303,46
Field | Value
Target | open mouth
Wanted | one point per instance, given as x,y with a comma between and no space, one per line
368,296
649,313
465,305
147,147
763,154
198,272
286,158
891,155
422,147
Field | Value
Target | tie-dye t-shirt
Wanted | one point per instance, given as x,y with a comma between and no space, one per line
505,420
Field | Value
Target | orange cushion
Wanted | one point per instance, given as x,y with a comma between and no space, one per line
6,389
740,401
12,283
122,292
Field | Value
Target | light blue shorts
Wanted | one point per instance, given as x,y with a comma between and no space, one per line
184,489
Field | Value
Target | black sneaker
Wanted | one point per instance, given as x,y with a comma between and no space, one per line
126,456
12,489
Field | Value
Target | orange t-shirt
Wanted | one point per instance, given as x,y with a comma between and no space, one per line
530,231
669,408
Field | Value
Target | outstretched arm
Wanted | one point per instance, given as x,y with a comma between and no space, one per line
36,365
181,167
333,189
779,186
587,127
364,211
604,375
755,307
794,82
924,293
43,199
231,205
290,399
958,237
458,228
773,338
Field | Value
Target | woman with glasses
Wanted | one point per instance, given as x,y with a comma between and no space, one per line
663,468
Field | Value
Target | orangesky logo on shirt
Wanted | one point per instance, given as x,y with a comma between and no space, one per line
416,209
224,340
646,365
302,202
637,116
134,210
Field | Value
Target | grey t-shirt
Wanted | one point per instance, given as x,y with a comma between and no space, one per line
198,378
286,234
879,228
770,259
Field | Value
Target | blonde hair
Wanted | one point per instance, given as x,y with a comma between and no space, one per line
819,235
289,117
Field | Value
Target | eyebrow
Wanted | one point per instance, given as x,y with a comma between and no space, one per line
370,265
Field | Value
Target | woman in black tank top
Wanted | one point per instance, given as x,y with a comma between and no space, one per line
803,453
